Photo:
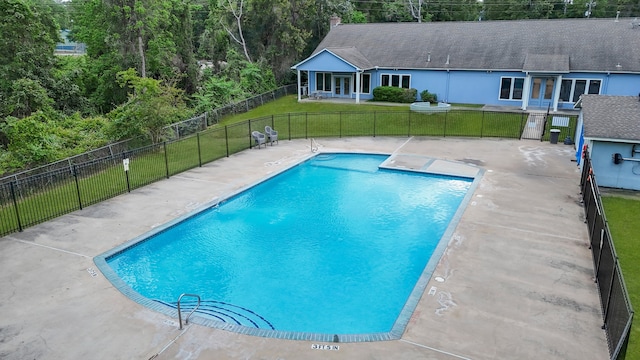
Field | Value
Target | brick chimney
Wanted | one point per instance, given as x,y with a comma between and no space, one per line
334,21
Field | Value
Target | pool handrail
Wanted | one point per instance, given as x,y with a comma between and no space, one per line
186,320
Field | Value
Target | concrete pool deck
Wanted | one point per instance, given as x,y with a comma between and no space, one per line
514,283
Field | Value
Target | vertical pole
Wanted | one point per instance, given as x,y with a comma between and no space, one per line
250,139
409,126
340,123
306,125
226,138
374,123
446,116
75,175
15,205
199,151
166,158
289,115
482,124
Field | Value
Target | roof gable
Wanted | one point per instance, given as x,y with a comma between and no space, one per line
589,45
611,117
335,59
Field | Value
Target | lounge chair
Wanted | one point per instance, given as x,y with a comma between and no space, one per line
258,138
271,134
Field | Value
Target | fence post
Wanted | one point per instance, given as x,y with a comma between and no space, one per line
199,150
444,131
409,126
521,126
226,138
250,143
306,125
482,124
374,123
289,116
15,204
75,175
166,158
340,124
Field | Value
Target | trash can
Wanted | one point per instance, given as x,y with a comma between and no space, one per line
554,134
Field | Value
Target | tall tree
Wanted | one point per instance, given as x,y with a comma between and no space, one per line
233,21
279,32
28,33
151,36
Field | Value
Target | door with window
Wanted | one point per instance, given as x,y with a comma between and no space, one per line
342,86
542,91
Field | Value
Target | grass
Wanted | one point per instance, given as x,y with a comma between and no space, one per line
290,104
623,215
62,193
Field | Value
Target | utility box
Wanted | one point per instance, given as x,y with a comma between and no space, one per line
554,134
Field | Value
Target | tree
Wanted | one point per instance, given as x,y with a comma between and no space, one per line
150,108
151,36
28,34
279,32
235,10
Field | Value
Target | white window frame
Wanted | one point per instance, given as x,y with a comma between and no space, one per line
324,78
573,88
362,75
511,88
400,78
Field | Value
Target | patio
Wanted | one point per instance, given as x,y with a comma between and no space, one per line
514,283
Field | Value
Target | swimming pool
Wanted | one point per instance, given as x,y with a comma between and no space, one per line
332,246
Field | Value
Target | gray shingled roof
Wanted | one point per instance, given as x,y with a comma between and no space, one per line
611,117
589,44
353,56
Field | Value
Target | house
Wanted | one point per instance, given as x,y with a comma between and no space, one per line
610,127
544,64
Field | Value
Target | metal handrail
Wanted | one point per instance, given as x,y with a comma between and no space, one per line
186,320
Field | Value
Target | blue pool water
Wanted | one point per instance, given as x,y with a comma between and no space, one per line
332,246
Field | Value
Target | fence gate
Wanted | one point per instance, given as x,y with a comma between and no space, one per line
535,126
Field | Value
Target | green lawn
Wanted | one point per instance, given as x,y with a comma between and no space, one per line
623,215
59,194
290,104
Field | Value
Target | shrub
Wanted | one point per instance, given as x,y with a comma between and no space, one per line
425,95
394,94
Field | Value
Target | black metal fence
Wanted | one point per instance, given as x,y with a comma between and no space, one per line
174,131
28,200
614,299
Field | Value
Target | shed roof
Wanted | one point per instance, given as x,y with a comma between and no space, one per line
611,117
561,45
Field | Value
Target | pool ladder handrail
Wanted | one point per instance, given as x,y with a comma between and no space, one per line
186,320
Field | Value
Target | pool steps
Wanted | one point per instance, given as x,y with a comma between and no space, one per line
224,312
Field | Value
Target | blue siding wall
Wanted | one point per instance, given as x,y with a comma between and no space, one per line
327,62
463,86
623,84
608,174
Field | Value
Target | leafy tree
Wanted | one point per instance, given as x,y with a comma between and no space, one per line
279,32
28,96
151,36
28,34
151,106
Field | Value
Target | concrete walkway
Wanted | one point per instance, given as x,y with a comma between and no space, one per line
515,282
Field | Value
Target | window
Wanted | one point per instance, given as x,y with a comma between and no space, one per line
323,81
571,89
579,89
511,88
365,84
402,81
565,90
